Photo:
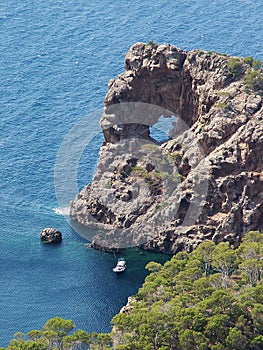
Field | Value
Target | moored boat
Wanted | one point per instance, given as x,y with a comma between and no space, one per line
121,265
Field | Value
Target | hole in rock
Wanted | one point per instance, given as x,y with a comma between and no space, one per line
162,131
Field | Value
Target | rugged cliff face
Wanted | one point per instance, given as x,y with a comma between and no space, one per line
203,182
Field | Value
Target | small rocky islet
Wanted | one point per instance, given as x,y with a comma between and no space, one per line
214,154
51,235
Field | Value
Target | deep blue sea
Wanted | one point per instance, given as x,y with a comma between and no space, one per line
56,60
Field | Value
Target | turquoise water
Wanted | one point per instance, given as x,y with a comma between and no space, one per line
56,59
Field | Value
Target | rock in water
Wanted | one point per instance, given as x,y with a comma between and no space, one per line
51,235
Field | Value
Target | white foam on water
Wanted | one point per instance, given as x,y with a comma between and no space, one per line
62,211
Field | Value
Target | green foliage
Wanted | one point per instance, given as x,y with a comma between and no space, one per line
249,60
109,185
59,326
139,169
153,178
254,75
200,300
162,206
253,236
257,342
186,160
153,266
190,339
224,259
57,334
175,156
235,67
254,80
201,53
224,93
150,43
217,53
220,105
204,253
236,340
256,64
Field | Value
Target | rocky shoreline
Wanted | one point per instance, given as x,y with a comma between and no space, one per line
205,181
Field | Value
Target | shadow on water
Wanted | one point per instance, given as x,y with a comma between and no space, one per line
137,259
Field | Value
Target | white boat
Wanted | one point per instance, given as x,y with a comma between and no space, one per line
121,265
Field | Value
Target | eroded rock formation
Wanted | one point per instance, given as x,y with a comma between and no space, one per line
205,181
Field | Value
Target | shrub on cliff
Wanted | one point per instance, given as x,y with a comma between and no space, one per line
254,75
254,80
235,67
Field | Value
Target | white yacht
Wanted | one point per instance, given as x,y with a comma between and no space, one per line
121,265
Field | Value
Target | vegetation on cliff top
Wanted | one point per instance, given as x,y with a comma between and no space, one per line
254,74
210,299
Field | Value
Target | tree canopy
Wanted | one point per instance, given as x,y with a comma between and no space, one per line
210,299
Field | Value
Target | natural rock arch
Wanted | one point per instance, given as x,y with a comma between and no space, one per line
225,119
164,76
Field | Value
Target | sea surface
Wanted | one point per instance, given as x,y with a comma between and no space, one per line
55,62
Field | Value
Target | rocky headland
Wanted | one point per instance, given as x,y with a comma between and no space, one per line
205,181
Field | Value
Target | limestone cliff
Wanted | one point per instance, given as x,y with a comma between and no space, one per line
203,182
